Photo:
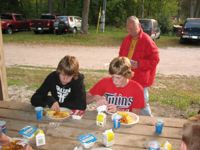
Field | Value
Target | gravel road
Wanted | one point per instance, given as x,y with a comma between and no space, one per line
182,61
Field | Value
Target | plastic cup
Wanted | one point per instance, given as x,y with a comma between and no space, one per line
3,128
39,113
159,127
116,123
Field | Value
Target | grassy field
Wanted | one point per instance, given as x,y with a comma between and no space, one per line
111,37
182,92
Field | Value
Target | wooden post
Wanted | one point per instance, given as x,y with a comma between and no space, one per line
3,79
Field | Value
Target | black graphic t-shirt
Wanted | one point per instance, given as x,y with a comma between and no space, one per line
71,95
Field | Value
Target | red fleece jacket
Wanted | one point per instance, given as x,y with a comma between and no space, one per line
146,53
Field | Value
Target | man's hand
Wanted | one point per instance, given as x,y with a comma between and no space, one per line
55,106
134,64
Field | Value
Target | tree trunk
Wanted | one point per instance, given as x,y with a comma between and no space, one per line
64,7
142,9
192,7
36,7
50,6
197,10
85,13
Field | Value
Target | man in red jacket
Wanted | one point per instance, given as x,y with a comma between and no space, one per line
143,54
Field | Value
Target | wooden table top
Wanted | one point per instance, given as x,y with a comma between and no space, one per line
136,137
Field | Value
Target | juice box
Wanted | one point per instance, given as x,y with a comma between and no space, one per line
40,138
101,119
108,138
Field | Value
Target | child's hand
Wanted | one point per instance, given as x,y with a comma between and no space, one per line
112,108
101,101
55,106
4,139
28,147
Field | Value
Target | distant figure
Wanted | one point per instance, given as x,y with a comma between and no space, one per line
191,136
65,86
143,55
118,92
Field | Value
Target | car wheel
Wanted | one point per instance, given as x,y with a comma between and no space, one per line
9,30
36,32
74,31
182,41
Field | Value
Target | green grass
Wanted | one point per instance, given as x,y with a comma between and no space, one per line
182,92
111,37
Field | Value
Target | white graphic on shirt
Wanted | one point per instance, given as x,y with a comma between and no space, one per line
62,93
119,100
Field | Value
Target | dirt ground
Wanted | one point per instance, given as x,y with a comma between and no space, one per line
181,61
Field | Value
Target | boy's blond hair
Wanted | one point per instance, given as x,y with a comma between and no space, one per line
68,65
191,136
121,66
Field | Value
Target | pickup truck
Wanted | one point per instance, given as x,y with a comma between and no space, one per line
44,24
11,22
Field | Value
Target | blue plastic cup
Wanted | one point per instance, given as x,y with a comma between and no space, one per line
159,127
39,113
116,123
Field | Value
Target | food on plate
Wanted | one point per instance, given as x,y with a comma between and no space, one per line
58,114
12,146
126,118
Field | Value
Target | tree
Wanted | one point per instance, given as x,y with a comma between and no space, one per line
50,5
85,13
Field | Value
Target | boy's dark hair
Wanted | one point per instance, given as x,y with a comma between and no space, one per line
121,66
191,136
68,65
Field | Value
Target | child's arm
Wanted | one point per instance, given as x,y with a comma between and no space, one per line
40,97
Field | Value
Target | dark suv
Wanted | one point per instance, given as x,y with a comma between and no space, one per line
151,27
67,24
190,30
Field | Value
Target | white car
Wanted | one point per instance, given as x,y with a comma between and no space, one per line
67,24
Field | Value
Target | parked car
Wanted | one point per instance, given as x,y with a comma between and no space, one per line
12,22
44,24
67,24
190,30
151,27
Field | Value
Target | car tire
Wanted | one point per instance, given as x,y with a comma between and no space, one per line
74,30
36,32
182,41
9,30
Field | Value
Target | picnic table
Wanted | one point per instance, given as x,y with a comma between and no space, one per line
64,137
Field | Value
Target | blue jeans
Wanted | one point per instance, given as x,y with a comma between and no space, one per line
147,110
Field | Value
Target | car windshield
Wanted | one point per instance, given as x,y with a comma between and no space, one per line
6,16
62,18
47,17
146,24
193,24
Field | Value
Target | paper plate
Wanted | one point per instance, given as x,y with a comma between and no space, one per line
63,114
132,115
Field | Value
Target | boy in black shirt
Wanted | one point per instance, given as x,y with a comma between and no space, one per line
65,86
